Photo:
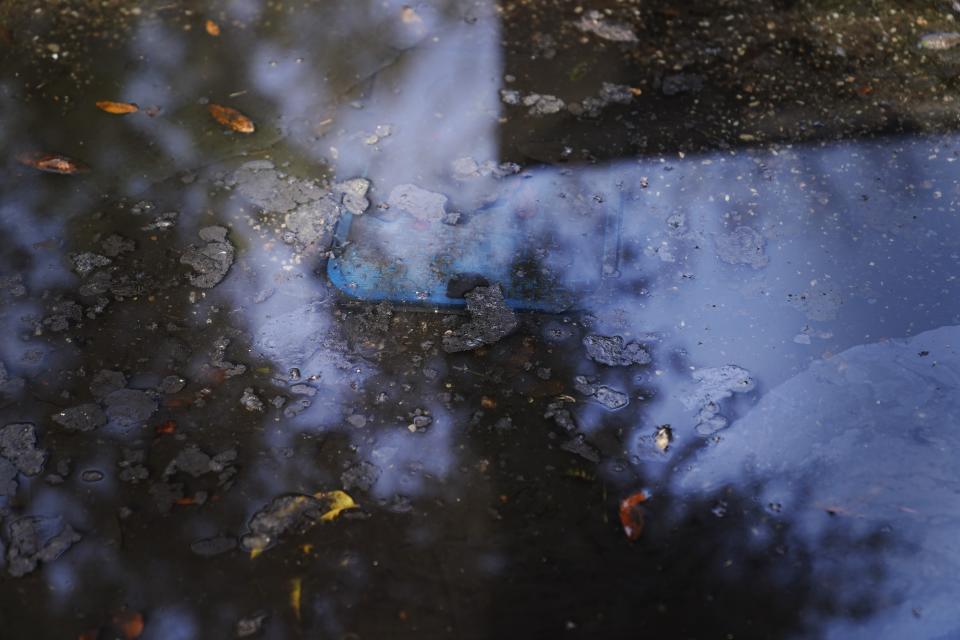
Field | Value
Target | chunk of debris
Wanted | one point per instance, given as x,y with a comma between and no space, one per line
596,23
18,444
84,263
35,539
310,226
211,261
129,407
543,105
710,386
260,183
423,205
578,444
293,513
940,41
247,627
84,417
490,321
354,194
250,401
360,476
743,245
613,352
561,416
191,460
611,399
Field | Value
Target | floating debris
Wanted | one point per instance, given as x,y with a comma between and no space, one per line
129,407
940,41
35,539
614,352
360,476
421,204
490,321
543,105
18,444
596,23
84,417
609,398
51,163
118,108
212,28
354,194
711,386
250,401
632,515
293,513
211,261
230,117
578,444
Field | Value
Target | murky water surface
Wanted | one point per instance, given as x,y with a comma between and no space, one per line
470,320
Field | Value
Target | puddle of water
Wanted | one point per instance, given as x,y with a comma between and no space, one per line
658,299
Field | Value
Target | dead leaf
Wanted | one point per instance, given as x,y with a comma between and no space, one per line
212,28
51,162
296,591
232,118
632,514
119,108
130,624
338,502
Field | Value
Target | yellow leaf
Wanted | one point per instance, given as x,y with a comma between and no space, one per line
255,552
119,108
338,501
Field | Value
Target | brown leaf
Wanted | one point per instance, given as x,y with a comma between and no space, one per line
119,108
231,118
212,28
51,162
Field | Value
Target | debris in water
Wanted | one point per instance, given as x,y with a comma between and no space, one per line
118,108
421,204
360,476
250,401
613,352
354,193
211,261
231,118
33,539
292,513
490,320
84,263
940,41
542,105
129,407
610,398
632,514
663,437
711,386
51,163
84,417
596,23
578,444
212,29
106,381
18,444
250,626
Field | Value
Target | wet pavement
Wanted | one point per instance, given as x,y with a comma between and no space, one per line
473,320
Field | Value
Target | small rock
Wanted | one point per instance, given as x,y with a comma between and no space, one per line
419,203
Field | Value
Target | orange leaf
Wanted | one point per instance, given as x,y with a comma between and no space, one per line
130,624
119,108
631,514
51,162
212,28
231,118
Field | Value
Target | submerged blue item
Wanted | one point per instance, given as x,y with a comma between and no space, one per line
526,240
